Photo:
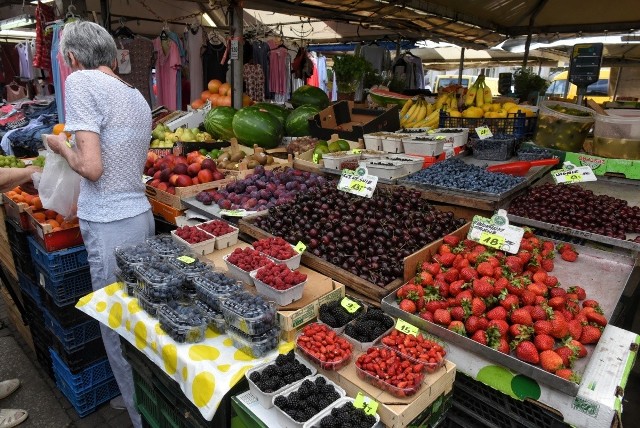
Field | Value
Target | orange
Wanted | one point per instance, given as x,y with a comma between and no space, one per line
56,229
246,100
39,216
224,89
58,128
27,198
36,203
196,104
225,101
205,95
50,214
59,218
18,198
66,225
53,223
17,189
214,99
10,194
214,86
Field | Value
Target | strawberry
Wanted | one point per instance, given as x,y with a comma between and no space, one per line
569,255
557,302
455,287
408,306
524,255
480,336
424,279
575,329
485,269
457,313
463,295
528,297
482,288
579,291
442,317
468,273
562,247
581,318
540,276
559,326
500,325
590,334
550,361
451,240
568,374
432,305
538,288
497,313
547,265
502,345
478,307
568,315
451,275
548,245
597,318
521,332
514,264
542,327
447,259
526,351
590,303
472,324
521,316
410,291
567,354
499,285
426,315
432,268
551,281
444,248
538,313
544,342
557,292
510,301
458,327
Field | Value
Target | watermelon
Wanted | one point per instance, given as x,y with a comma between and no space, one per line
278,111
297,124
257,126
382,97
218,122
310,95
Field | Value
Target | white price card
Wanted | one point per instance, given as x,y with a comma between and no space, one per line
496,232
484,132
236,213
234,49
573,174
358,182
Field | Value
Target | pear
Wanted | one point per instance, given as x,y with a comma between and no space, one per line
187,135
158,132
155,143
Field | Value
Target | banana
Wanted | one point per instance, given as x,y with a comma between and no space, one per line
432,119
406,107
440,101
420,114
413,114
453,102
480,96
430,108
408,114
488,97
471,95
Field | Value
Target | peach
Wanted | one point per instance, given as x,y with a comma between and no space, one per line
205,176
162,186
171,190
173,179
183,181
193,169
180,169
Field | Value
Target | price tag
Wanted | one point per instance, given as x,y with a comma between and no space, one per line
356,151
186,259
496,232
349,305
236,213
573,174
358,182
146,178
369,405
234,49
300,247
484,132
316,158
406,328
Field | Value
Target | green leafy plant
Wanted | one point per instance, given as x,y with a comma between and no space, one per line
349,71
526,81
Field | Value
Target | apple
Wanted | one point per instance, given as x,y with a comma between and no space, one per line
205,176
183,181
193,169
180,169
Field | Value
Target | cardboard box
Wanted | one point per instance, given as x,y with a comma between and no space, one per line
304,161
175,201
603,166
165,211
397,412
352,122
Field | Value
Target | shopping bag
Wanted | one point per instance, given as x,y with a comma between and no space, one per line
59,185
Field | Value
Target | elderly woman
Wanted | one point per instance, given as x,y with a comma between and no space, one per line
112,123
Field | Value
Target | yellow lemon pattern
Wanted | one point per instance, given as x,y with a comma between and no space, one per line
170,358
236,377
115,315
227,342
159,330
154,346
241,356
133,307
203,353
224,367
127,325
202,388
101,306
140,331
286,347
111,289
185,373
84,300
210,334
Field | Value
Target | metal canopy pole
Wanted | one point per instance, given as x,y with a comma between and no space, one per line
236,64
461,67
532,19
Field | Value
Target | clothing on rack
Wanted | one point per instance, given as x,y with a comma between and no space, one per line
321,64
278,71
211,67
261,57
334,89
25,59
253,81
15,92
380,59
193,41
313,79
168,64
42,58
141,56
59,70
183,58
410,67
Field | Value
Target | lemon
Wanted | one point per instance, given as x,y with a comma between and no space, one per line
508,106
500,113
455,113
473,112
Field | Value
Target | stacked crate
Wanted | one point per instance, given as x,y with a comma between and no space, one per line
80,367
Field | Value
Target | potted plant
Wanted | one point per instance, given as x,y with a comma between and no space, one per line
528,85
349,71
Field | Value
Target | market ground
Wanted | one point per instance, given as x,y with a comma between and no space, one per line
48,408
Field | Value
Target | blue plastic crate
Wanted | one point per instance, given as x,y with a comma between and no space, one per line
30,288
67,290
87,378
73,337
88,401
58,263
518,125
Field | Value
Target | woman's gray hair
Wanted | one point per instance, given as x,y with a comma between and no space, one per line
90,44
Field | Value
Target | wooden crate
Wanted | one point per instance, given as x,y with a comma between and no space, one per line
175,201
18,211
243,171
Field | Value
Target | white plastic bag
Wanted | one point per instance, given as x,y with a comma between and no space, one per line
59,185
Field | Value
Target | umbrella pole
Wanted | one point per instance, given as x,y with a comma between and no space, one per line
236,64
461,66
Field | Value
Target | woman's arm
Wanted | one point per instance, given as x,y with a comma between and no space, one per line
85,158
12,177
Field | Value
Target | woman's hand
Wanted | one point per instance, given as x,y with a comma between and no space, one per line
55,142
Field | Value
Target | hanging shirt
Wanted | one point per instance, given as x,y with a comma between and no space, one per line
25,60
415,75
261,57
277,67
193,41
321,63
253,81
379,58
211,62
167,64
183,58
42,58
141,55
313,79
59,70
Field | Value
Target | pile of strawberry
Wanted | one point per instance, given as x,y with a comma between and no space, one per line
426,351
192,234
217,227
279,276
507,302
277,248
390,371
322,343
247,259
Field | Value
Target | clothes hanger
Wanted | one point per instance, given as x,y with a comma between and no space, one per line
123,31
71,15
164,35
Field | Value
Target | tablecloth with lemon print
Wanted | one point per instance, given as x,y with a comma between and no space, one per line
205,371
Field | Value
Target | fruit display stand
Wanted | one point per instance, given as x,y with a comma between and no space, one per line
175,201
351,122
618,268
476,199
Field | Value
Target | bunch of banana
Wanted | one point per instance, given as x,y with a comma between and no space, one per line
478,94
414,112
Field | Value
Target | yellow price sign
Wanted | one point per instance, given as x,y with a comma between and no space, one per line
491,240
349,305
574,178
316,158
406,328
484,132
186,259
358,185
300,247
356,151
369,405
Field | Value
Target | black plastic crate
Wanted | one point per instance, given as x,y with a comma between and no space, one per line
24,265
32,311
493,406
81,358
67,316
517,125
18,238
44,359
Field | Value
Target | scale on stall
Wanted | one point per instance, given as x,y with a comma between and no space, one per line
584,67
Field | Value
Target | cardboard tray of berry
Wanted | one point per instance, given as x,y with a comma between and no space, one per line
576,286
569,209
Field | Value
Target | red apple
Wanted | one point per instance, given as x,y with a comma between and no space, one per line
183,181
205,176
193,169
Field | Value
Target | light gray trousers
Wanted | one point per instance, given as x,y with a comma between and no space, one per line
101,239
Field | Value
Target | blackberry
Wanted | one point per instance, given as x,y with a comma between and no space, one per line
330,320
369,420
320,381
294,399
281,401
329,422
334,315
255,377
309,412
270,371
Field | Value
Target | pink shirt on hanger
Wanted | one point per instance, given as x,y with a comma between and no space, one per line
167,65
64,71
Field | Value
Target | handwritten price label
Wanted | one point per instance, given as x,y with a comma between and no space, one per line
186,259
349,305
573,174
358,182
358,186
491,240
369,405
300,247
484,132
406,328
316,158
236,213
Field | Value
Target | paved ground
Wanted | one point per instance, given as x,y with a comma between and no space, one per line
38,394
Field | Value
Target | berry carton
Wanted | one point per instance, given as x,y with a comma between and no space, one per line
185,323
255,346
248,313
213,287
